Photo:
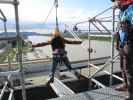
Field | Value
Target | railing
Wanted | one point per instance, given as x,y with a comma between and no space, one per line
105,65
113,58
8,86
15,3
20,57
8,1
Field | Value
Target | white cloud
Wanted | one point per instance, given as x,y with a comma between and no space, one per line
37,11
30,11
75,14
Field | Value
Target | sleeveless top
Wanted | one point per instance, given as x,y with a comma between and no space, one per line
58,46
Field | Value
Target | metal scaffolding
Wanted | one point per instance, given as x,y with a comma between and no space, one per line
15,3
95,21
92,21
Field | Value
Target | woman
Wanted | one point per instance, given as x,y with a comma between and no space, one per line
57,43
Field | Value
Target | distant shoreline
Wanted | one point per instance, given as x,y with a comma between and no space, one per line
67,34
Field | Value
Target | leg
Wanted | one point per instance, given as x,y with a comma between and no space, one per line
55,63
67,63
124,69
130,82
122,62
130,72
123,65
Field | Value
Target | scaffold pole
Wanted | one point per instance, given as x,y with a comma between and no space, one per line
112,48
19,41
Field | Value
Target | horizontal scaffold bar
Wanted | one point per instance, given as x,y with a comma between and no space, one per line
8,2
13,73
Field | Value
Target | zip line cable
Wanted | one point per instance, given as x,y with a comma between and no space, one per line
48,14
56,9
56,6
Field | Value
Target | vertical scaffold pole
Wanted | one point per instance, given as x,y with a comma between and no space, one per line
8,45
19,44
89,54
56,8
112,48
89,39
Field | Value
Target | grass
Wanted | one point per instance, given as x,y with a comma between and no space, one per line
96,38
11,53
3,57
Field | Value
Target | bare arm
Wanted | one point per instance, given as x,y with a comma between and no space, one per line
41,44
72,42
117,40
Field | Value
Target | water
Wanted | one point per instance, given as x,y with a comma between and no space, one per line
75,52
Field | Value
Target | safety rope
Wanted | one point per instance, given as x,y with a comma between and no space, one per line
56,9
56,6
48,14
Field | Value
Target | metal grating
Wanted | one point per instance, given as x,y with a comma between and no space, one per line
100,94
60,88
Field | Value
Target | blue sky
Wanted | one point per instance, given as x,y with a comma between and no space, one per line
92,4
69,10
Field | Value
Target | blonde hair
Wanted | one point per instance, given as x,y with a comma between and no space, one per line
56,32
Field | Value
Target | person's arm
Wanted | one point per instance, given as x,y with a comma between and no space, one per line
41,44
117,40
72,42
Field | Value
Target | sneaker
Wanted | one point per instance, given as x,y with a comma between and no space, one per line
128,98
123,87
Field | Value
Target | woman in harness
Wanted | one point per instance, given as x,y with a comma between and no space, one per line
57,43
